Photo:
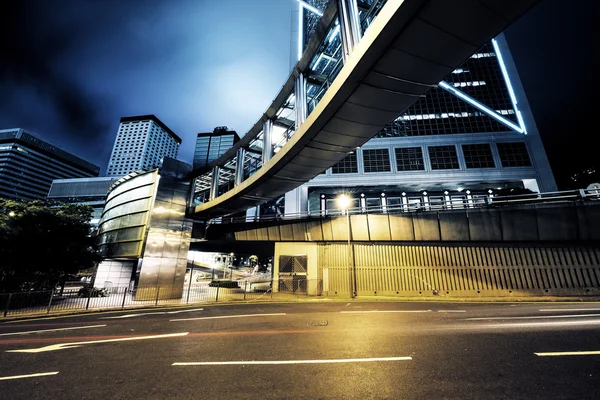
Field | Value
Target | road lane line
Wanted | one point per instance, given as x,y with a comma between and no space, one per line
568,309
533,324
385,311
5,378
275,362
452,311
51,330
73,345
177,312
535,317
150,313
134,315
227,316
568,353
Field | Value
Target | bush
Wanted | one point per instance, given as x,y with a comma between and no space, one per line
92,292
224,284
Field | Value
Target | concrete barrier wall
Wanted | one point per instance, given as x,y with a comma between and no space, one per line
544,222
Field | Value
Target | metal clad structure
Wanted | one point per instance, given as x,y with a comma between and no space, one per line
463,269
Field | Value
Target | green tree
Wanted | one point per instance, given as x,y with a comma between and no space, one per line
41,243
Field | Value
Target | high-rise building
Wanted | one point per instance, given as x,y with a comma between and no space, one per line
86,191
471,136
28,165
211,145
141,143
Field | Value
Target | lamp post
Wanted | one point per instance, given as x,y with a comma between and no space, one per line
343,202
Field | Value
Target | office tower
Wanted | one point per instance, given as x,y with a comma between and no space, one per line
86,191
472,136
141,143
211,145
28,165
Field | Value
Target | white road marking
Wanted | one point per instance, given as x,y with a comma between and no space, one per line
275,362
452,311
536,317
5,378
62,346
151,313
568,309
568,353
134,315
534,324
51,330
385,311
177,312
228,316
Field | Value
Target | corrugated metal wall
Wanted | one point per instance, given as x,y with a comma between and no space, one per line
462,270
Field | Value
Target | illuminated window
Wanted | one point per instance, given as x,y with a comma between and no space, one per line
443,157
377,160
478,156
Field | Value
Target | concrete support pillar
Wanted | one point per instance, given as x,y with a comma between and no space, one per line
349,25
239,166
267,143
300,93
214,184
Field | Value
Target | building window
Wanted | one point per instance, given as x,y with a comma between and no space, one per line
377,160
409,159
478,155
514,154
443,157
348,165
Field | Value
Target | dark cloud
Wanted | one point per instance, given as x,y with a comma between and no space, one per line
31,47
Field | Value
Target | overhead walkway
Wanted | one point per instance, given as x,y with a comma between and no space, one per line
359,72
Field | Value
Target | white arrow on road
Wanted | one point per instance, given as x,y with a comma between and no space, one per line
62,346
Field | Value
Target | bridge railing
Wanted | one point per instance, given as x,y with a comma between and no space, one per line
435,205
319,65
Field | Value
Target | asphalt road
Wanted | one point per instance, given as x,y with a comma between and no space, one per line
308,351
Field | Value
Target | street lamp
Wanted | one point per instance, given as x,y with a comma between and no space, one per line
343,202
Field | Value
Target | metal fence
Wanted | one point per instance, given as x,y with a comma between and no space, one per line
81,299
476,201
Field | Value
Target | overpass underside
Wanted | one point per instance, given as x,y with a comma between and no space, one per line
409,47
537,250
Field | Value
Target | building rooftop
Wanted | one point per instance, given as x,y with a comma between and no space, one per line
152,117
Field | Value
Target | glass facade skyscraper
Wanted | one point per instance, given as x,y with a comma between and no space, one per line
211,145
28,165
472,135
141,144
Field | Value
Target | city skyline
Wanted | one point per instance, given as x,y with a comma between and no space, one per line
149,63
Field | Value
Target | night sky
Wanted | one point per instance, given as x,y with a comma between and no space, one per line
71,68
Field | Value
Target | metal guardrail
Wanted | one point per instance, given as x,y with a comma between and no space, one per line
453,204
82,299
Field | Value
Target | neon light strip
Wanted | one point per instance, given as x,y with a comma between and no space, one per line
303,5
513,98
310,8
476,104
300,31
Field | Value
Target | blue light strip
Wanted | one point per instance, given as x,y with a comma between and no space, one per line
513,98
303,5
310,8
444,85
300,31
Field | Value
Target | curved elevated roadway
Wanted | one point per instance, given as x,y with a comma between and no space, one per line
409,47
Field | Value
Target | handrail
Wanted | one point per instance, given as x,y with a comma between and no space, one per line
424,206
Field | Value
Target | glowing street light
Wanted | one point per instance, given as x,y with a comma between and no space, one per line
344,202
